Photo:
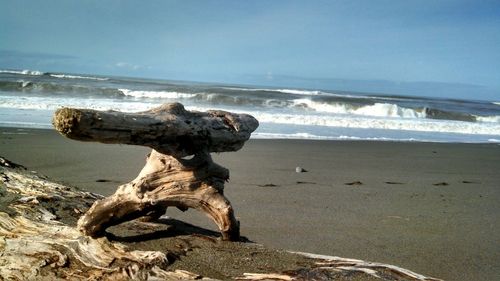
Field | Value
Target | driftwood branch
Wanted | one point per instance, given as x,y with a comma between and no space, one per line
168,179
169,129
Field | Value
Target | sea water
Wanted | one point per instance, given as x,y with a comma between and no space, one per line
29,98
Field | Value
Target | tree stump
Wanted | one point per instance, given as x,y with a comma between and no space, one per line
179,171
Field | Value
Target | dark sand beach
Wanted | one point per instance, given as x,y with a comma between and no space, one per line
428,207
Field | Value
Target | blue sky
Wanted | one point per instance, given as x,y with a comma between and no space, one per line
257,42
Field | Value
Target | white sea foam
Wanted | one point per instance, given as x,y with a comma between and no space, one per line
376,139
296,92
156,94
496,102
23,72
24,83
78,77
343,95
313,93
300,92
488,119
316,93
285,91
377,109
308,136
389,110
53,103
259,135
377,116
423,125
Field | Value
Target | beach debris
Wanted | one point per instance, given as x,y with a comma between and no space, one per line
399,217
267,185
102,180
265,276
441,184
470,182
305,182
337,268
300,170
6,163
354,183
393,182
106,180
178,172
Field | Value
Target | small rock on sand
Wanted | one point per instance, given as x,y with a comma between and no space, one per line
300,170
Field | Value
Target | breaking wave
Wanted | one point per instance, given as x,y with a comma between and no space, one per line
47,88
28,72
308,136
53,103
377,109
299,92
305,118
422,125
156,94
301,106
23,72
285,91
283,112
77,77
488,119
341,95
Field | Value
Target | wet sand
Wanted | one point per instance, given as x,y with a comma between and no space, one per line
432,208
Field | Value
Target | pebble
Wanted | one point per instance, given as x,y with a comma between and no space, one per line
300,170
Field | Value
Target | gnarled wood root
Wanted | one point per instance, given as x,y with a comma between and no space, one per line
165,181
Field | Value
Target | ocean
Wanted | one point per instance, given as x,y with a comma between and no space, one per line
29,98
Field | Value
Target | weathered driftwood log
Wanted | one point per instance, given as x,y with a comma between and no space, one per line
168,179
168,129
36,242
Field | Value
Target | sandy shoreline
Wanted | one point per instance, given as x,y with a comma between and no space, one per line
432,208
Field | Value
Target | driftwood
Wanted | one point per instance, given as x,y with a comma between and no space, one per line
179,171
38,241
168,129
38,244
